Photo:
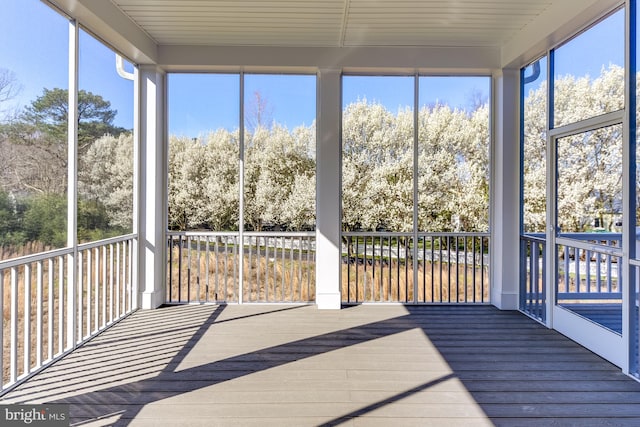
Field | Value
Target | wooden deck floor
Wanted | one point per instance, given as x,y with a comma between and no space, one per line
256,365
607,315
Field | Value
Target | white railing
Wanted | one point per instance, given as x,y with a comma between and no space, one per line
204,267
588,270
533,294
395,267
54,301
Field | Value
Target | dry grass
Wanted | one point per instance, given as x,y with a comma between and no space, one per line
277,280
394,282
30,248
214,277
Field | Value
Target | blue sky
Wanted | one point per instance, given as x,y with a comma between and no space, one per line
199,103
601,45
202,102
34,43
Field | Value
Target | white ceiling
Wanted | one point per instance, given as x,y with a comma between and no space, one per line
333,23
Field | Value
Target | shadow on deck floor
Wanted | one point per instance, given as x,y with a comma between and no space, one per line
360,366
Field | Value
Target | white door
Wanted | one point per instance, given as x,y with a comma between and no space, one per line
586,253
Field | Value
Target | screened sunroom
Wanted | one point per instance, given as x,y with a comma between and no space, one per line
335,154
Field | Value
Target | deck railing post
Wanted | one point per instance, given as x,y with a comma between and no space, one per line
26,332
13,354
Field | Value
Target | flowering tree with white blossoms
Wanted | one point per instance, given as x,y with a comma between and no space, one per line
280,178
535,163
221,180
188,170
589,165
453,169
377,167
106,174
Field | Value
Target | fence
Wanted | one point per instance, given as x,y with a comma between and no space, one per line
588,267
205,267
435,268
533,297
56,300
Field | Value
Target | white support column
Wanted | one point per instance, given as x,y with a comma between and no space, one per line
328,174
137,285
629,195
505,198
72,187
152,169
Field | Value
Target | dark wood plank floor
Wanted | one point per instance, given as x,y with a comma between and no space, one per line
257,365
607,315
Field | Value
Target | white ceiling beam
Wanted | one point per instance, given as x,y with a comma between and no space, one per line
109,23
373,59
557,23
